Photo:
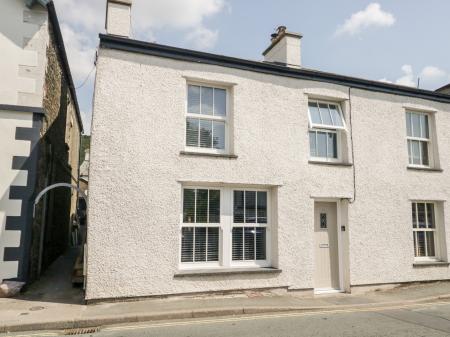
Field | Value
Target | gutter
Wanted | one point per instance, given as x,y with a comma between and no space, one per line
154,49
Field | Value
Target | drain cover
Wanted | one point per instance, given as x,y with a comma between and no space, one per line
80,331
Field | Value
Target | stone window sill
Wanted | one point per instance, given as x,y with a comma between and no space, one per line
225,271
330,163
429,169
431,264
206,154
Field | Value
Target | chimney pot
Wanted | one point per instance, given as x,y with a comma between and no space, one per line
284,48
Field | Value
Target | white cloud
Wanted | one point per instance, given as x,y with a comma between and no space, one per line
432,73
431,77
408,78
385,80
203,38
371,16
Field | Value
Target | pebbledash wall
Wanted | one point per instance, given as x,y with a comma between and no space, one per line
137,173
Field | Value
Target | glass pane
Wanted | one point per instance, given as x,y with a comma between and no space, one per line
424,149
193,99
325,114
424,126
250,206
249,243
408,124
237,244
219,135
205,133
415,243
332,145
260,243
420,250
202,206
188,205
238,206
187,244
415,152
312,143
321,144
213,244
337,120
421,215
262,207
414,215
192,126
207,101
430,244
410,158
415,125
200,244
220,102
214,206
314,113
430,215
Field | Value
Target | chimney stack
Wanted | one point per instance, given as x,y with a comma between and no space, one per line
284,48
118,17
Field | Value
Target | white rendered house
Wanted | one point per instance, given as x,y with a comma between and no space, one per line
213,173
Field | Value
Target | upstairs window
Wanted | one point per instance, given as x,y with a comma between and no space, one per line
326,124
206,119
418,137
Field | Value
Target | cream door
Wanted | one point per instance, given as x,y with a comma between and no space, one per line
326,275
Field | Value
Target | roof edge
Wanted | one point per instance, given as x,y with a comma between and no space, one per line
154,49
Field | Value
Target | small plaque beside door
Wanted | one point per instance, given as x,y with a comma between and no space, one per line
324,245
323,221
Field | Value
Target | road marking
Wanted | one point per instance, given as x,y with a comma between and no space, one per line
267,316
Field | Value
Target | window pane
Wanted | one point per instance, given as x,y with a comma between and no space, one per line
420,249
220,102
424,149
192,126
202,206
325,114
214,206
200,244
238,206
249,243
414,218
260,243
430,244
193,99
188,205
207,101
410,158
321,144
314,113
337,120
205,133
332,145
312,143
219,135
262,207
421,215
424,126
213,244
430,215
187,244
408,124
415,152
415,125
250,206
237,244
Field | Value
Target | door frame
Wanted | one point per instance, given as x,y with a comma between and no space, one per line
340,240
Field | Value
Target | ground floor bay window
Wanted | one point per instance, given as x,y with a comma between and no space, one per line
225,227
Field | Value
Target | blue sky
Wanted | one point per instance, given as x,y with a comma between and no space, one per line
396,41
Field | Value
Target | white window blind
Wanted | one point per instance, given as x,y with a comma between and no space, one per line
418,136
424,229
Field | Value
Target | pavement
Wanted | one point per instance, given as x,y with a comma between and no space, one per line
52,304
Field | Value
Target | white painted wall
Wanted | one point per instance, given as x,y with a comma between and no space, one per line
10,147
135,193
23,42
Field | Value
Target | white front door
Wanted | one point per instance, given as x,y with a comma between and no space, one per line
326,275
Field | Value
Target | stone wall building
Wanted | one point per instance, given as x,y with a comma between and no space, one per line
211,173
40,129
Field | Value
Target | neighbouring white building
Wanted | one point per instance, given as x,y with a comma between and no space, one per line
211,173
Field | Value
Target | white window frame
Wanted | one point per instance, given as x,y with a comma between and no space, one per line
435,230
338,130
420,139
213,118
226,230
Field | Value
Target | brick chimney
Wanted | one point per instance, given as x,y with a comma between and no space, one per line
118,17
284,48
